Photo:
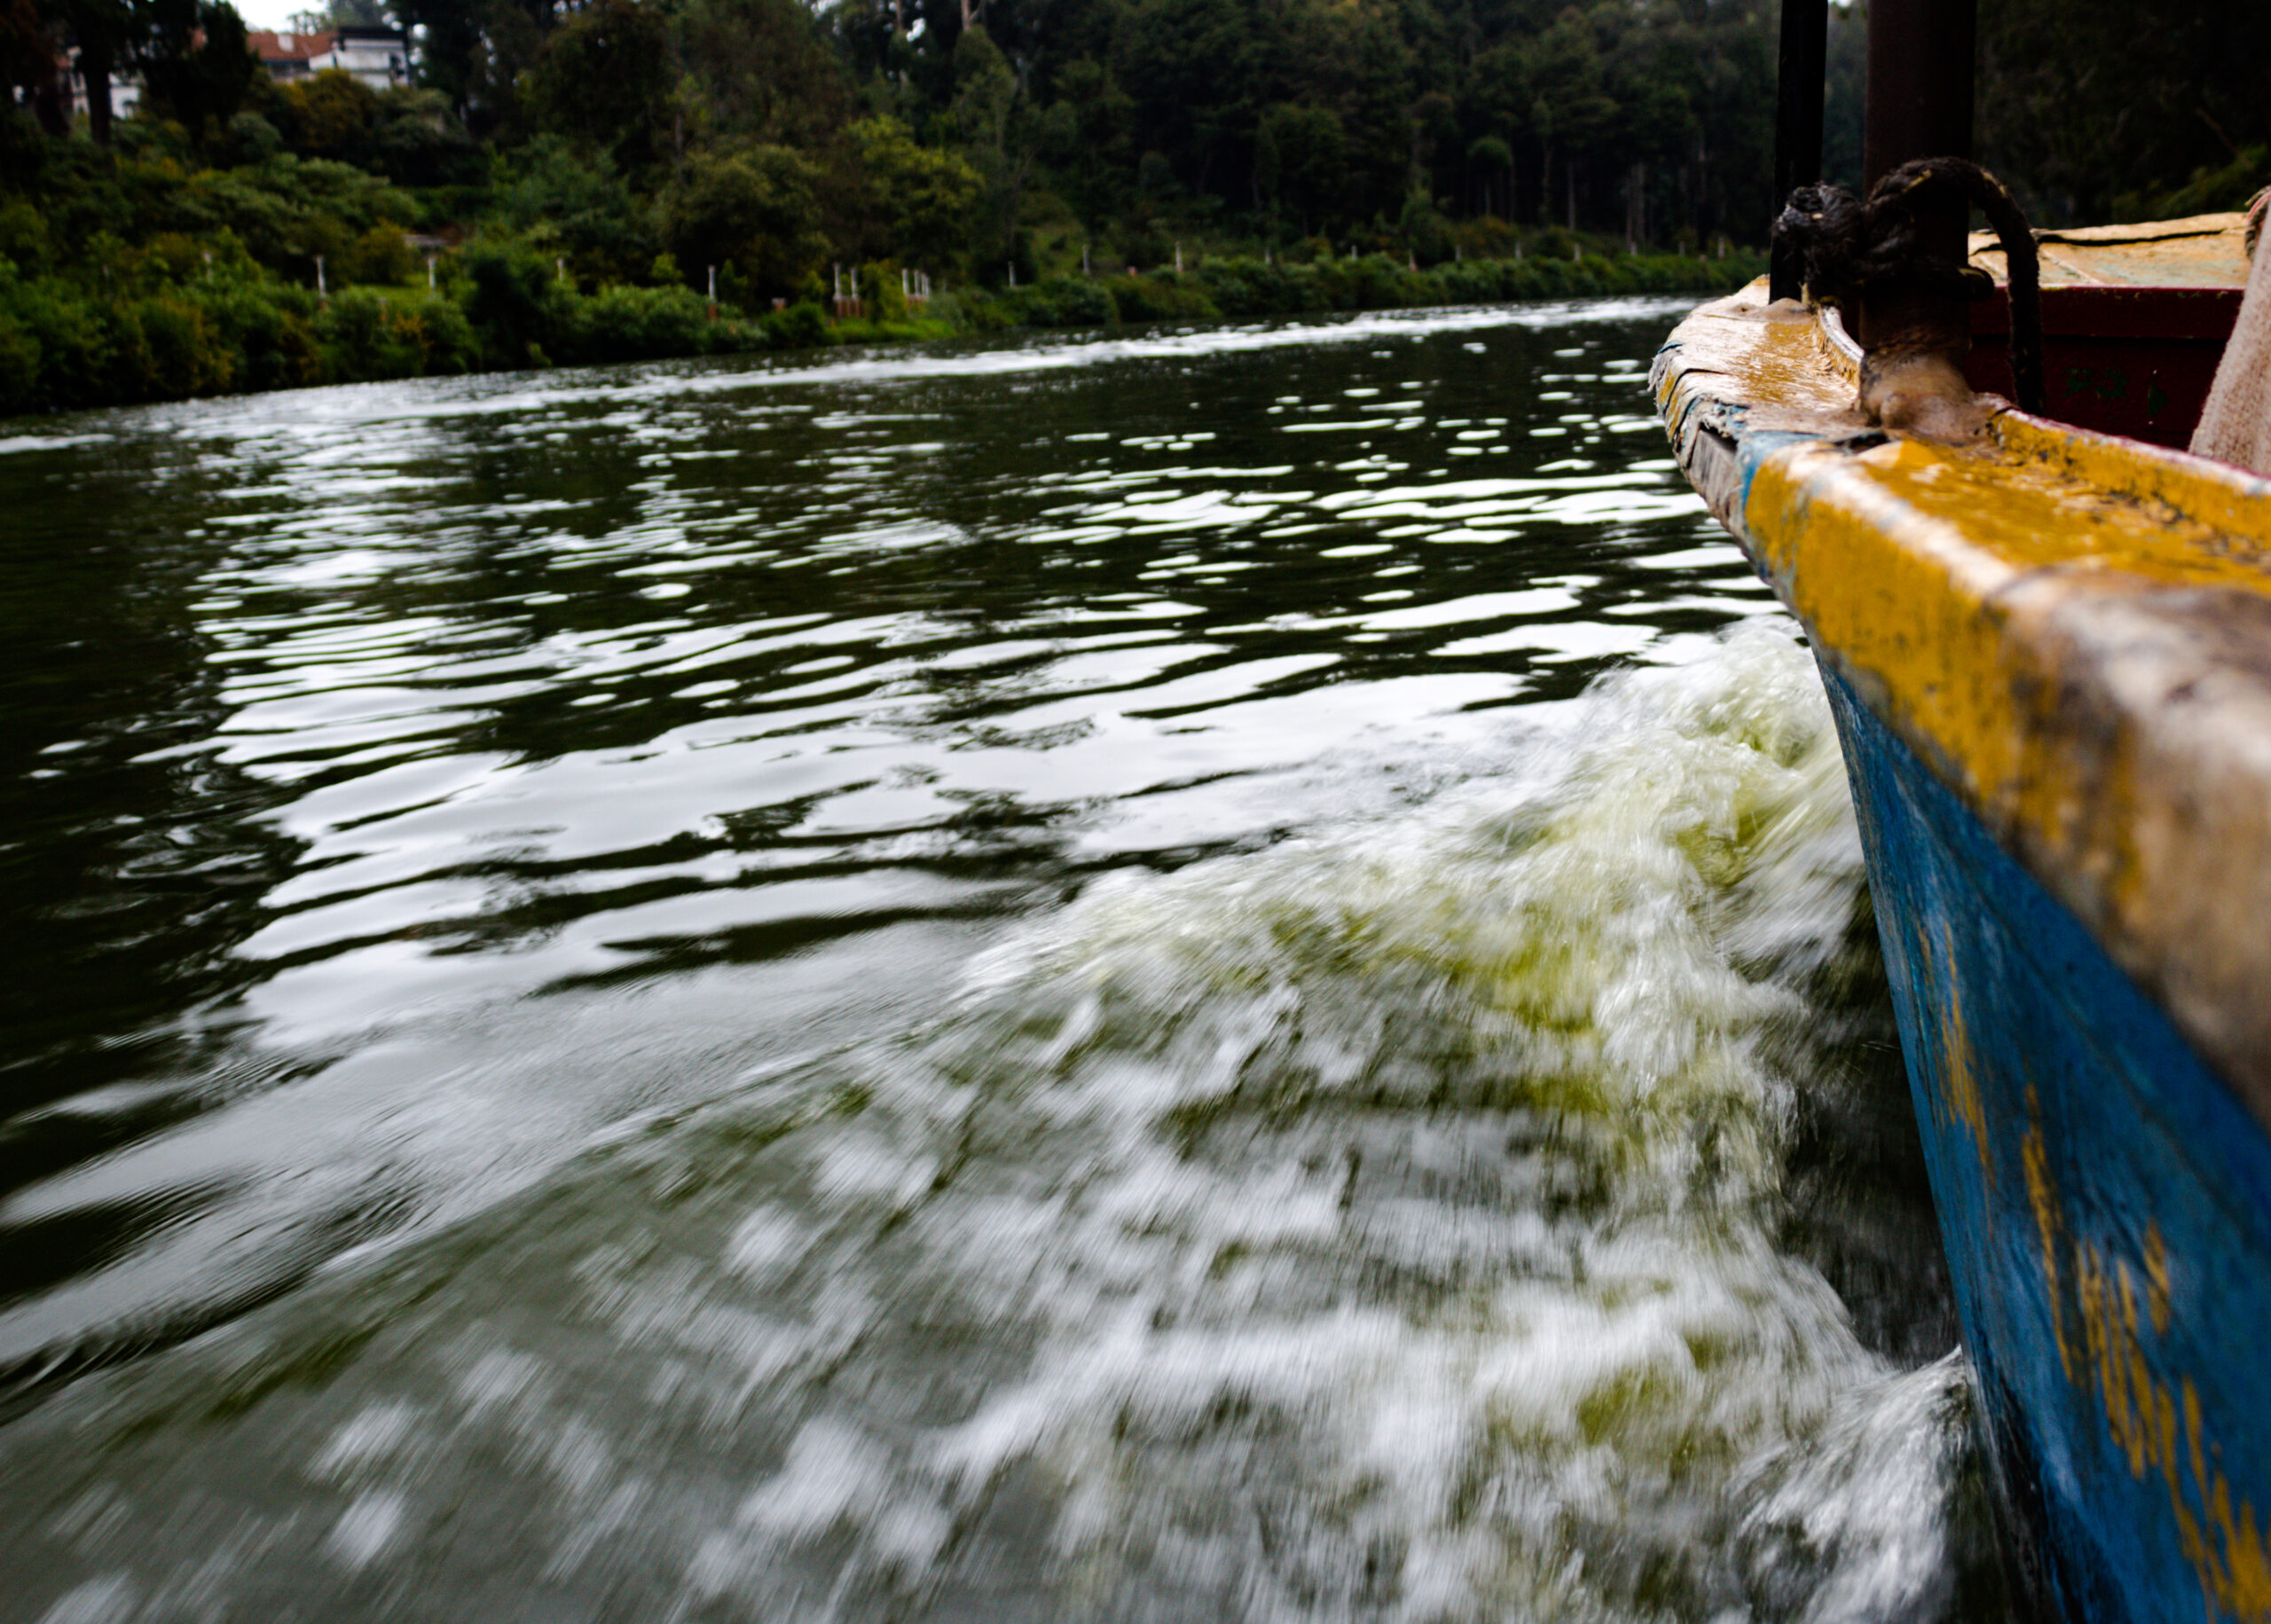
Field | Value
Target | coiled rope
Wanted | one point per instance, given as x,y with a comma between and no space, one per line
1849,246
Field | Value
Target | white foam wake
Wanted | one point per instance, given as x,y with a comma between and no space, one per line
1390,1224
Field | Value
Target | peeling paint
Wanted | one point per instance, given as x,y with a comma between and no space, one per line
2107,1231
2049,654
2074,630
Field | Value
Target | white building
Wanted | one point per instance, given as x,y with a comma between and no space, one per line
125,93
378,56
286,55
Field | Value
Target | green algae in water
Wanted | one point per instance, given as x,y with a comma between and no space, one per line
1153,1039
1196,1265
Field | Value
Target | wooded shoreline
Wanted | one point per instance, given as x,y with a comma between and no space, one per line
231,330
580,181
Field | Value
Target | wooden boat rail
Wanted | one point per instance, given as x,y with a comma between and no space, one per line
2073,630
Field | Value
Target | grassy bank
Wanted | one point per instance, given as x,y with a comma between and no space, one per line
172,321
205,325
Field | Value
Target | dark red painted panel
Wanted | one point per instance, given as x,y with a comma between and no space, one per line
2136,361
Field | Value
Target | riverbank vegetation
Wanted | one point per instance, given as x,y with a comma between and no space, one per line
620,180
178,319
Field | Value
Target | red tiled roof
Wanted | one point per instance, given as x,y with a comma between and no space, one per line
287,47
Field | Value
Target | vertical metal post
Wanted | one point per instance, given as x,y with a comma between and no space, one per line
1920,67
1921,71
1800,70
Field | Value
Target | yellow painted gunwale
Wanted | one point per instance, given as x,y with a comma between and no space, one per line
2073,630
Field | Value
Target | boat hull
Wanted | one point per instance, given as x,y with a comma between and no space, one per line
2106,1205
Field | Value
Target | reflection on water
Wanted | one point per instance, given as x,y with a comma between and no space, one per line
1018,982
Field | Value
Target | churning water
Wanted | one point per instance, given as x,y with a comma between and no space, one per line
1222,976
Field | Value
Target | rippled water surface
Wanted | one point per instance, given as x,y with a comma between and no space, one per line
1218,975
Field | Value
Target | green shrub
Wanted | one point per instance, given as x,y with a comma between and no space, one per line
1141,298
18,367
445,339
129,370
637,324
879,290
972,310
1254,287
803,326
1065,302
67,338
511,299
1474,281
23,236
187,357
365,335
380,256
1378,283
731,335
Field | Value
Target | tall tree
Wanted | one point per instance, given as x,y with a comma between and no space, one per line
102,32
761,69
30,66
196,63
449,42
2097,109
605,76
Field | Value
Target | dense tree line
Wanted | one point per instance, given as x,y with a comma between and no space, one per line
748,152
979,138
2108,110
968,137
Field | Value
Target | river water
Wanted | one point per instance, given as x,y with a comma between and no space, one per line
1213,975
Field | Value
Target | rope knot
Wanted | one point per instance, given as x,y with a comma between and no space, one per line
1849,246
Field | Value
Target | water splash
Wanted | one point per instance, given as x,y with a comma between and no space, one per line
1398,1223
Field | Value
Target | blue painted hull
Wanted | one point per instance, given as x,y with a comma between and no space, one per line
2106,1203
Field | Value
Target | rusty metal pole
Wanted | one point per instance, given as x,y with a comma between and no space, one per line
1919,84
1799,72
